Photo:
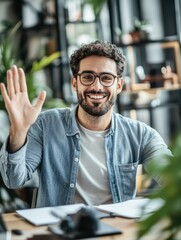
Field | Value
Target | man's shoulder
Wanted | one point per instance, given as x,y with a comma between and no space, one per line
135,130
131,124
127,120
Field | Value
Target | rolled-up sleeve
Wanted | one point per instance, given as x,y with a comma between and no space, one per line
13,165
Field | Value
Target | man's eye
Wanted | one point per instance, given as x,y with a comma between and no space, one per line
87,77
106,78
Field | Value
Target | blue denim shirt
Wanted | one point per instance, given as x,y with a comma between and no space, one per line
53,149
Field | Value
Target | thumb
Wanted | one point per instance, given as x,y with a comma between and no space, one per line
40,100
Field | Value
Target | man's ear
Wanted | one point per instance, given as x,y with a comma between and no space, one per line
74,83
120,85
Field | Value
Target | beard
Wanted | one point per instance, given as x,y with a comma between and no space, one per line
96,109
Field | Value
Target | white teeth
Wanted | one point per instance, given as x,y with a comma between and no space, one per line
96,96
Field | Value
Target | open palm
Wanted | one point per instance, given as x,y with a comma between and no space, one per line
22,113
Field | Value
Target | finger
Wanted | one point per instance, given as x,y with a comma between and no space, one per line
15,74
10,85
40,100
4,93
22,80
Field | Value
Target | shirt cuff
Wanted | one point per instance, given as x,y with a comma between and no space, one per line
12,157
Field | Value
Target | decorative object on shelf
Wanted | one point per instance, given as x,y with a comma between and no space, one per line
48,8
165,222
161,75
83,10
140,32
169,75
96,5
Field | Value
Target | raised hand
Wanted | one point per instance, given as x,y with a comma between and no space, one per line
22,113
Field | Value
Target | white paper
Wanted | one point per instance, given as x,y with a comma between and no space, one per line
48,215
53,215
132,208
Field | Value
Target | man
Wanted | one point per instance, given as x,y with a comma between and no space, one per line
86,154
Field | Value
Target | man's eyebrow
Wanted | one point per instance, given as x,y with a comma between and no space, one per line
90,71
87,71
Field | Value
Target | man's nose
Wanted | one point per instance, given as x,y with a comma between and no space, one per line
97,82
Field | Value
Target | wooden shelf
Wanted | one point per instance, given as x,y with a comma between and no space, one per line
150,41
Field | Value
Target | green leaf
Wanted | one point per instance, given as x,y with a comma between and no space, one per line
170,192
45,61
97,5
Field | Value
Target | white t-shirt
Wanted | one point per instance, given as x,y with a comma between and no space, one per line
92,185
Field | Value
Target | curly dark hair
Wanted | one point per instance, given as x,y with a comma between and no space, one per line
97,48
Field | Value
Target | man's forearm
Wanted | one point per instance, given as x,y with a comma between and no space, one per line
16,140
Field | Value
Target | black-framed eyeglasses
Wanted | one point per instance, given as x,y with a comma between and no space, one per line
88,78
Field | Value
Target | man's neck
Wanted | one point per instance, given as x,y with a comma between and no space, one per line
94,123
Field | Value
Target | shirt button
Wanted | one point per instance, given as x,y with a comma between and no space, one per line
77,136
72,185
76,159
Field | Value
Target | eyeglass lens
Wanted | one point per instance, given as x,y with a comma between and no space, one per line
105,79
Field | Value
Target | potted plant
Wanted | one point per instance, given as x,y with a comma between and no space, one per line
96,5
140,31
166,221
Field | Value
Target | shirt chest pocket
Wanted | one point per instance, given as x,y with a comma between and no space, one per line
127,180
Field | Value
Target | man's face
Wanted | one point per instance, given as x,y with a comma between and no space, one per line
97,99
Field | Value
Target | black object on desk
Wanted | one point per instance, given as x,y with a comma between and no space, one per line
103,230
84,224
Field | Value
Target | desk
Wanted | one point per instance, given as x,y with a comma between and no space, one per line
13,221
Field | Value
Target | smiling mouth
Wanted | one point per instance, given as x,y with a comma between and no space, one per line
96,95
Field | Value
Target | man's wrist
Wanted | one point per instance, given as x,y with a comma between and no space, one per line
16,141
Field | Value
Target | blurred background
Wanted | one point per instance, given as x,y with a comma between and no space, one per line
41,35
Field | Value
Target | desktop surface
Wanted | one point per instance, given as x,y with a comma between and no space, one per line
13,221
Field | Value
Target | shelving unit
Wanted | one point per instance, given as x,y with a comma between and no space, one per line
158,107
171,42
135,50
62,34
